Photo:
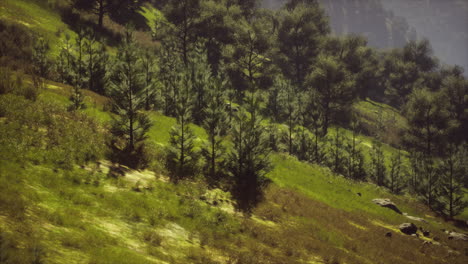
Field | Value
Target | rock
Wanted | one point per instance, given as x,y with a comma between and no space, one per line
426,233
388,234
458,236
408,228
387,203
415,218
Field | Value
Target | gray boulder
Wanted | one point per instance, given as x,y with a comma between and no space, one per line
408,228
387,203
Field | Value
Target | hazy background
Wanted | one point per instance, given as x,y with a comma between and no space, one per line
391,23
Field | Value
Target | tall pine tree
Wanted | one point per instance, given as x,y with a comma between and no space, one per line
127,87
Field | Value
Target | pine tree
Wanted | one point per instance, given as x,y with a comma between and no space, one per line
127,88
77,97
288,99
41,63
249,158
337,158
201,77
428,181
354,165
215,124
452,170
396,177
149,69
313,119
94,61
182,156
378,169
169,67
65,61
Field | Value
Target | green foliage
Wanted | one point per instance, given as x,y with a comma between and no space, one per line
40,61
335,89
215,123
378,169
200,77
299,35
151,82
249,158
427,122
44,132
169,67
15,45
452,170
397,175
182,156
455,94
127,88
354,158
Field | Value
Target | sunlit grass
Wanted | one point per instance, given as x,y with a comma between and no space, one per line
38,18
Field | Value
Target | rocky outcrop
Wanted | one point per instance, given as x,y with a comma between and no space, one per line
408,228
387,204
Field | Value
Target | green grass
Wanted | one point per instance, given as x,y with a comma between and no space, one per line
321,184
37,17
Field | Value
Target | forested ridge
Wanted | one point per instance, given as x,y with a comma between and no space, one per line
143,110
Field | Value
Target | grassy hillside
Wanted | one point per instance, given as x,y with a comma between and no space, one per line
309,215
38,17
53,211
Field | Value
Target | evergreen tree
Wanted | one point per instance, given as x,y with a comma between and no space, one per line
378,169
77,97
288,99
334,89
201,78
396,177
354,159
182,156
127,88
313,119
41,64
452,171
299,35
149,70
65,61
455,93
169,68
336,158
249,158
215,124
185,18
95,63
427,123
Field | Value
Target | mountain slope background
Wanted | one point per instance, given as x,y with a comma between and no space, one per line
390,24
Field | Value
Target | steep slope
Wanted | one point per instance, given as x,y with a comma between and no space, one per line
309,215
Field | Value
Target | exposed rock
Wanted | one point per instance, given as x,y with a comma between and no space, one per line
387,203
408,228
414,218
426,233
458,236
